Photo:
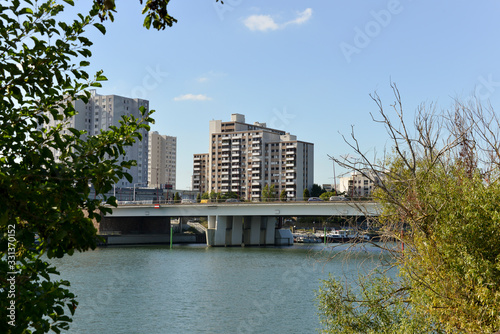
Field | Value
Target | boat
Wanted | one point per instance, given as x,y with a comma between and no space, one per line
306,239
346,236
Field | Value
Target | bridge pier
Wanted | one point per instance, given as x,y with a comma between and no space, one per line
241,230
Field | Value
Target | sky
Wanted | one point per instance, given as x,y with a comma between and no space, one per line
306,67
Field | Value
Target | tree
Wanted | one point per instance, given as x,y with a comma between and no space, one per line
316,190
268,193
177,197
440,195
229,194
305,194
326,195
46,207
198,198
283,196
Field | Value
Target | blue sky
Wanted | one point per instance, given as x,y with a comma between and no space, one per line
306,67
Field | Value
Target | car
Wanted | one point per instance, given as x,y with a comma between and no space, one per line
188,201
314,199
338,198
232,200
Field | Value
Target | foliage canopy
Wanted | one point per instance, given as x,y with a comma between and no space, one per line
440,194
46,209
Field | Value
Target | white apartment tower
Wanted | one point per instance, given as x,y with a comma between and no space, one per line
244,158
103,111
162,157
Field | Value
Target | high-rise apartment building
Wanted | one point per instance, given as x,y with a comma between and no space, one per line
103,111
244,158
200,172
162,157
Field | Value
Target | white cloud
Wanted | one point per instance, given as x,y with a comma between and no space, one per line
260,23
266,22
192,97
302,18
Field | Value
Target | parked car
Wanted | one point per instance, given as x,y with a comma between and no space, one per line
232,200
315,199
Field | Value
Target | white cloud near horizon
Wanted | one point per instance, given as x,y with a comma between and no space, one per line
192,97
266,22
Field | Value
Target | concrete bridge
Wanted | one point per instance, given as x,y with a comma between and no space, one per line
229,224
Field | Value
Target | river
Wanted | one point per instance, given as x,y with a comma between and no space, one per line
199,289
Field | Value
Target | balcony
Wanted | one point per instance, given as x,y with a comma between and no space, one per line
226,148
290,164
235,147
291,182
290,158
225,172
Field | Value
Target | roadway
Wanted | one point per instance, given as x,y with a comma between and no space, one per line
341,208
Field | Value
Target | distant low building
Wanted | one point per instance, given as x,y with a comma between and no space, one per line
357,185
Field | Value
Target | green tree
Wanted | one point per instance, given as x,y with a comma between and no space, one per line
268,193
46,209
177,197
198,198
440,195
213,196
229,194
283,195
326,195
316,190
305,194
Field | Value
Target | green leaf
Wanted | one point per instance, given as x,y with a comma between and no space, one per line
100,27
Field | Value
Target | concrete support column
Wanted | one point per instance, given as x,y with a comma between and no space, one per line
269,231
220,231
251,234
229,230
237,231
212,224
